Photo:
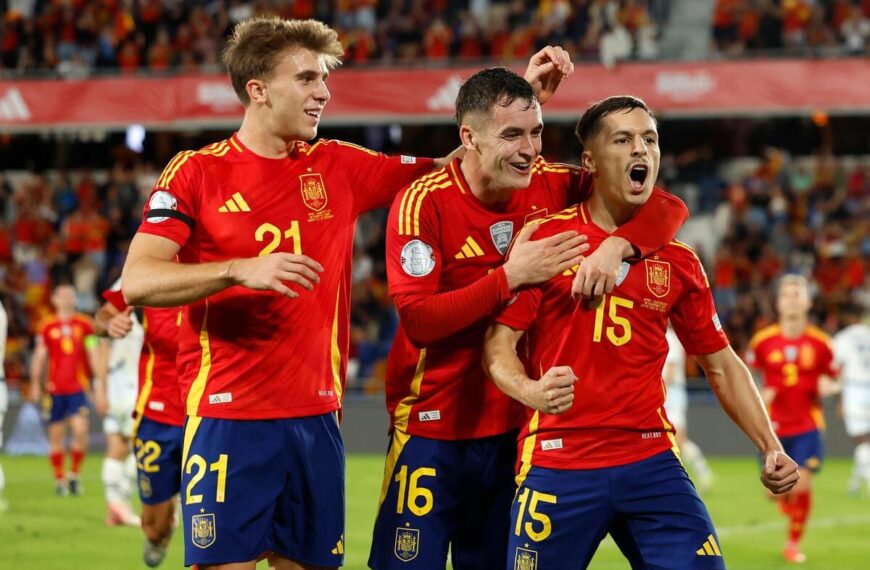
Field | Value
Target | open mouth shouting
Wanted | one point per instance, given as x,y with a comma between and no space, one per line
637,174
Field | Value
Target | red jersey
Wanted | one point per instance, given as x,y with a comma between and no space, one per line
792,367
440,238
159,394
246,354
616,348
69,371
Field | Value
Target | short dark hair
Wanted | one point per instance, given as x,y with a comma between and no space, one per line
590,123
490,86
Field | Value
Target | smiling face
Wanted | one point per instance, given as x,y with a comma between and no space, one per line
507,141
295,94
624,156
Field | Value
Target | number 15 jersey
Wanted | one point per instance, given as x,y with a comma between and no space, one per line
616,348
247,354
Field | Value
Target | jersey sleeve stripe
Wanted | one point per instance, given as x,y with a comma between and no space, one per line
220,150
197,389
420,204
172,168
412,200
357,147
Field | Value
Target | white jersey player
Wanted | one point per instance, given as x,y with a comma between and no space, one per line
676,404
852,353
117,402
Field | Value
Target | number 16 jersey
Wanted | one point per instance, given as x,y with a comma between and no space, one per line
247,354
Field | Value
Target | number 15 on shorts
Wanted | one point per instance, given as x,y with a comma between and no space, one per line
535,524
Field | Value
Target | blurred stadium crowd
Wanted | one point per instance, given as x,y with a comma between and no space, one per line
78,37
768,214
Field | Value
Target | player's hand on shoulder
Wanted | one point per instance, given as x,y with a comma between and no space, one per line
271,272
597,275
535,261
547,69
553,393
780,473
121,324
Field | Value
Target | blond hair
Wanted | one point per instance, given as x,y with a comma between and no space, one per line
256,44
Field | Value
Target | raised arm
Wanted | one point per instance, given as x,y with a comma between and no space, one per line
733,385
553,393
152,279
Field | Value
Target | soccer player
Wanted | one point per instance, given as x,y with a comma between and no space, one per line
676,402
609,464
852,353
158,418
448,478
67,347
115,402
794,358
262,224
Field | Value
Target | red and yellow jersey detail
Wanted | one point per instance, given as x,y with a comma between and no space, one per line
246,354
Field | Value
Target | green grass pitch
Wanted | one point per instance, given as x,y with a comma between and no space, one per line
41,531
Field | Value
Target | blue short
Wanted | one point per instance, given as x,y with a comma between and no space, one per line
251,487
67,405
807,449
158,460
649,507
439,494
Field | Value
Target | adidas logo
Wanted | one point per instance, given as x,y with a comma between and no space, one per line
235,204
445,97
709,548
339,547
571,270
469,249
13,107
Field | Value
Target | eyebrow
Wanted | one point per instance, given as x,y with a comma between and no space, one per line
312,74
512,130
628,133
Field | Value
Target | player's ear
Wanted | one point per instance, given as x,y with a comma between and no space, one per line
468,137
256,89
587,161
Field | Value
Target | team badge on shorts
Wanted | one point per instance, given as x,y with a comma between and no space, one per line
658,277
501,233
145,486
407,544
525,559
202,531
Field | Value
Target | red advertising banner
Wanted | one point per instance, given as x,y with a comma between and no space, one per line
762,87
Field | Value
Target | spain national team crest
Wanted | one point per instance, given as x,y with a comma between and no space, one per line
202,531
313,191
502,233
658,277
407,544
525,559
145,486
